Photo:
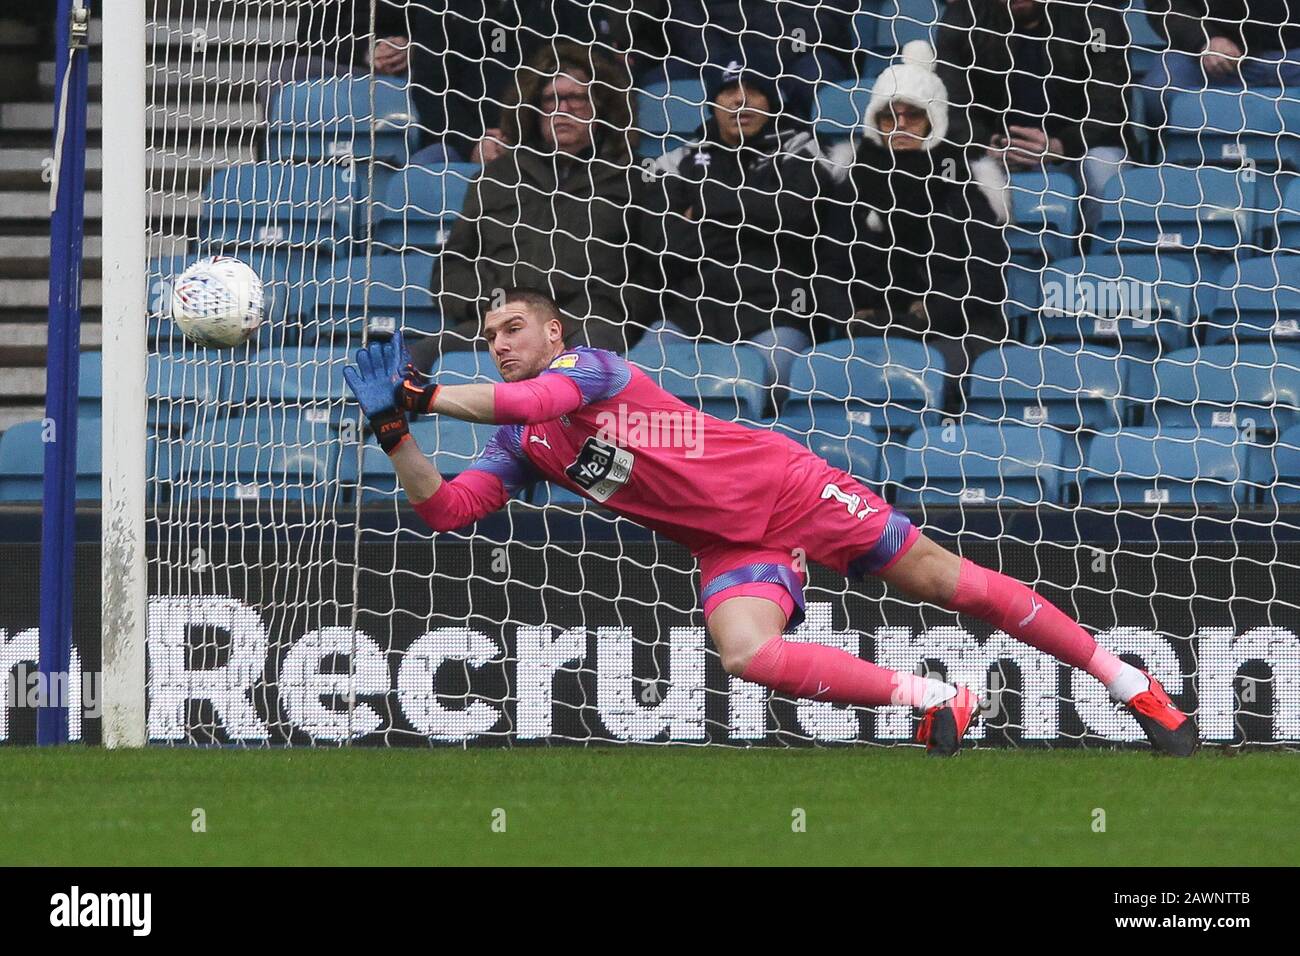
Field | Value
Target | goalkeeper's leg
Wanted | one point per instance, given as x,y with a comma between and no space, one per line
747,631
931,573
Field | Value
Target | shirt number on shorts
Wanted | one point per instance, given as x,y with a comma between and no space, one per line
849,501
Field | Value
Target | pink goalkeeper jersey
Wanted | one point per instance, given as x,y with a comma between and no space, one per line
640,452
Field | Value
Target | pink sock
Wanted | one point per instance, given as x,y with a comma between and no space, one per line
1009,605
819,672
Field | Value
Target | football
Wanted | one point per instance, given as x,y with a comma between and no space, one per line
217,302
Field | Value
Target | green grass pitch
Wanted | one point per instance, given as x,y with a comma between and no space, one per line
81,806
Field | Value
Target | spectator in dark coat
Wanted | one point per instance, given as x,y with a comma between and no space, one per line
1039,84
743,203
1222,43
927,249
465,53
561,209
794,43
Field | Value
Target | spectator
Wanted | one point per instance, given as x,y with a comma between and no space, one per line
1221,43
927,244
1039,83
334,40
792,42
742,214
560,209
465,54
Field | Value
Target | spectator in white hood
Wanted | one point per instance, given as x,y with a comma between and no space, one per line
926,249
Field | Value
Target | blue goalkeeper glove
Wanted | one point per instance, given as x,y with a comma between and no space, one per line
374,379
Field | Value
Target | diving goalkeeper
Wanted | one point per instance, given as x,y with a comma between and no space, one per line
748,503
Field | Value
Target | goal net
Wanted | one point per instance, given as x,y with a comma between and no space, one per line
1034,291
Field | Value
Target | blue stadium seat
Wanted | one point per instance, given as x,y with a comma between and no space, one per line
841,107
1178,210
1259,300
390,292
463,367
181,386
842,439
1139,303
90,382
420,205
904,20
726,381
1045,223
1288,219
22,460
270,454
669,112
1286,457
1229,386
1231,127
983,464
1145,43
1069,386
301,376
1166,465
334,117
890,384
278,204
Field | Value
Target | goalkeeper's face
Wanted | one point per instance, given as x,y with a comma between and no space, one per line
522,340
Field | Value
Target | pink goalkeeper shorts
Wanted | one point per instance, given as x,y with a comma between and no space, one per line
822,515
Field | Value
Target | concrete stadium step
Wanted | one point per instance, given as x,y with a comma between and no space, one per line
24,383
11,415
33,335
35,294
234,116
35,206
238,78
28,257
17,34
24,167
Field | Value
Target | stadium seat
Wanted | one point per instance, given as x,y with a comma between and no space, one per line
1255,385
181,386
300,376
889,384
1177,210
277,204
337,117
1288,219
1139,303
901,21
1145,43
843,440
90,382
668,113
22,460
841,107
1286,461
1217,126
474,365
983,464
1259,300
389,292
1165,465
267,454
421,203
1045,223
1068,386
726,381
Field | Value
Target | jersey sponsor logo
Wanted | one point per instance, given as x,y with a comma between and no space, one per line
565,361
601,468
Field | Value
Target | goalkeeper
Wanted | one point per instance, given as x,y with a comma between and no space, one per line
748,503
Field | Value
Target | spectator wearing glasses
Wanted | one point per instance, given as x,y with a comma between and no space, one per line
561,208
